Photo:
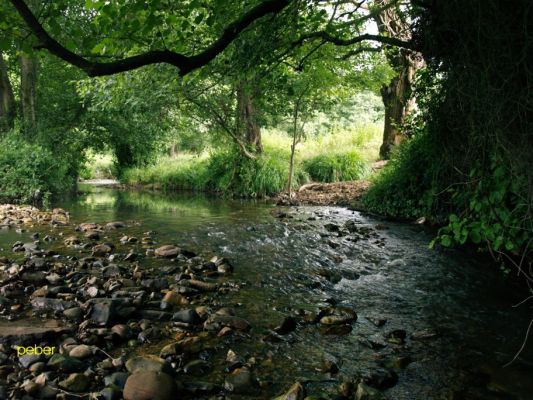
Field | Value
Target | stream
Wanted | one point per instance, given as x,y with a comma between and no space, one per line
442,320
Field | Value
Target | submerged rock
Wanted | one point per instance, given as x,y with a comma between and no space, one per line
296,392
167,251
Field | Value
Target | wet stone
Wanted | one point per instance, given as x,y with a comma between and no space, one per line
117,379
197,368
146,363
380,378
288,325
65,363
365,392
187,316
296,392
150,385
240,381
167,251
81,351
75,383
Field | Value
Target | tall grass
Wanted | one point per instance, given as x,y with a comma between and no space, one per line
330,158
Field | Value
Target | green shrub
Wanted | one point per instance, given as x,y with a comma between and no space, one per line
404,187
232,173
336,167
29,173
492,211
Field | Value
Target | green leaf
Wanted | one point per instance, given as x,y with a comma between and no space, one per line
446,240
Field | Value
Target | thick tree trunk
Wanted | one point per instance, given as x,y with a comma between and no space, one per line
28,92
7,100
247,124
396,95
398,102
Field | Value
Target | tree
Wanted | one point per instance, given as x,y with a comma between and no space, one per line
7,99
28,92
397,94
182,27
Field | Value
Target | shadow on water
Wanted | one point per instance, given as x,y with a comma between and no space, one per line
455,309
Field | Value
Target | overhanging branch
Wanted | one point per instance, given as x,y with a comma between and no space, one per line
185,63
326,37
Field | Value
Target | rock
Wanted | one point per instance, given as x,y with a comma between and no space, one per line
92,235
147,363
27,360
196,368
88,226
187,316
288,325
380,378
75,383
41,292
188,345
215,322
167,251
329,364
173,298
200,285
296,392
396,336
43,303
111,393
240,381
65,363
30,332
122,331
332,227
117,379
72,241
336,330
73,314
101,250
81,351
35,278
365,392
115,225
150,385
106,311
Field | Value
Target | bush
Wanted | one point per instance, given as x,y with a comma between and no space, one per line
29,173
336,167
232,173
404,187
227,172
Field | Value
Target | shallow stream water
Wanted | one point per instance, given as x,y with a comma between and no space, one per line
455,308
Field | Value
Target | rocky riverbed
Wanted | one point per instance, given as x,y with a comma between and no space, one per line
106,314
135,314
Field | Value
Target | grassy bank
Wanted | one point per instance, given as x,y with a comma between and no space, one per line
329,158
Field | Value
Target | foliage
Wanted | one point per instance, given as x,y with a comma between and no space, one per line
469,163
336,167
403,189
494,213
29,172
227,172
98,166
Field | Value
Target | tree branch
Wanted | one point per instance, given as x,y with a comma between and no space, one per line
326,37
185,63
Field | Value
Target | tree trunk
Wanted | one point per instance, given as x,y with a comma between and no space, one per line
173,151
247,124
28,92
7,100
398,102
396,95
